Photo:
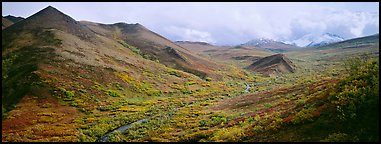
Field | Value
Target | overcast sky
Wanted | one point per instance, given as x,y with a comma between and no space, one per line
223,23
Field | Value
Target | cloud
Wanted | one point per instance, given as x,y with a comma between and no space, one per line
227,23
195,35
347,24
187,34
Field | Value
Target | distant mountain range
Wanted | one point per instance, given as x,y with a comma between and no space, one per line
260,41
367,41
311,40
264,43
191,42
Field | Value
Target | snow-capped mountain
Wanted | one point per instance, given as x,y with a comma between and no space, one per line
260,41
311,40
268,44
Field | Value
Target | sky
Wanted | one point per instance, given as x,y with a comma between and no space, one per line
223,23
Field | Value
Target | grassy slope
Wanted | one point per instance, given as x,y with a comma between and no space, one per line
157,48
107,91
302,112
73,89
227,55
296,107
367,41
106,83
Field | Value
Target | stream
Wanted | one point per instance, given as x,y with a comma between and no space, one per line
247,87
122,129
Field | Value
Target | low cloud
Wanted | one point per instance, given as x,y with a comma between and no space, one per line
187,34
228,23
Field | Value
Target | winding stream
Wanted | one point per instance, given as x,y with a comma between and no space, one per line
122,129
247,87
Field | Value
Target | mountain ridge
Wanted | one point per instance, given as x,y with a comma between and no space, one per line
359,42
264,43
313,40
52,18
14,19
155,47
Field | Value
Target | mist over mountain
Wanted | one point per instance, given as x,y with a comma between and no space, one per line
311,40
265,43
70,79
228,23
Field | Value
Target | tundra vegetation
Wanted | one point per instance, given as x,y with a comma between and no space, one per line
58,86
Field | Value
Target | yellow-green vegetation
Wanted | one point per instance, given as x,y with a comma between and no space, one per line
182,111
131,97
132,48
303,115
356,94
112,93
326,99
193,123
139,87
6,63
68,94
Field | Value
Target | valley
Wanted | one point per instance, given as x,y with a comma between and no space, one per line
79,81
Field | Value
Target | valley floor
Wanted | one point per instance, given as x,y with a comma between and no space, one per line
322,101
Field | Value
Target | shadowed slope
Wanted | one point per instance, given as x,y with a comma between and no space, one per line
272,64
14,19
5,23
